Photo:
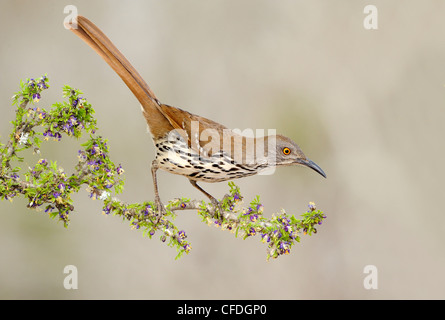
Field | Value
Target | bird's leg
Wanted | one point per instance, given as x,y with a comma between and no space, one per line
159,206
215,203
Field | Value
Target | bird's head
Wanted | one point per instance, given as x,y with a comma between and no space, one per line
289,153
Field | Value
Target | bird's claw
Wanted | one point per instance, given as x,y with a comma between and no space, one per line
217,209
160,211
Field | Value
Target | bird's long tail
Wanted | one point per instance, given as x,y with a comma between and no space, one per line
96,39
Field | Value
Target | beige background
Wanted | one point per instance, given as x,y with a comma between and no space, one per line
367,106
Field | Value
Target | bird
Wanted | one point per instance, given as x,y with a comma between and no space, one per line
186,144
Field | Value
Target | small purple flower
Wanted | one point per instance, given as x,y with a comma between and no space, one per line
80,100
82,156
49,208
311,206
147,210
265,237
182,234
75,102
252,231
72,120
68,128
236,197
135,225
107,209
42,85
42,115
284,247
63,215
94,149
253,217
119,170
12,195
92,193
36,97
277,234
48,134
187,248
183,205
61,186
249,211
92,163
284,221
56,194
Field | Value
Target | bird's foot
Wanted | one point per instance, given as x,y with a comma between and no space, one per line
160,210
217,209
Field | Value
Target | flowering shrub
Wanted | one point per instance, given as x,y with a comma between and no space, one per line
47,187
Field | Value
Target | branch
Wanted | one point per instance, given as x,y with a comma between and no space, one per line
46,185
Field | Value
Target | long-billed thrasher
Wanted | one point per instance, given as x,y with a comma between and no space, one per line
187,144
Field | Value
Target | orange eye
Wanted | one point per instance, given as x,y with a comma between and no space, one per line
286,151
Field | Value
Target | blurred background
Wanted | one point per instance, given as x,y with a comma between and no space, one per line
365,105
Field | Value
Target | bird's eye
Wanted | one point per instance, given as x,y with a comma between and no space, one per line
286,151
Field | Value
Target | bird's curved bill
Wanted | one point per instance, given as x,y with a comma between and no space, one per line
311,164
